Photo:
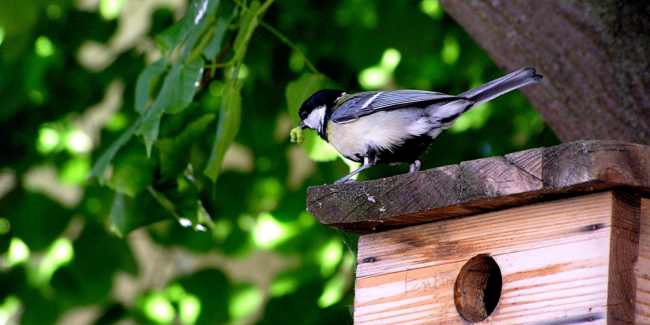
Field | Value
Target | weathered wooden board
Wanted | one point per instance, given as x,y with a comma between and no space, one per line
567,261
642,267
482,185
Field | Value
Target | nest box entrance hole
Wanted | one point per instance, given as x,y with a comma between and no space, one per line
478,288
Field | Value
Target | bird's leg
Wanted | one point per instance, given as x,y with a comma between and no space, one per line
368,160
415,166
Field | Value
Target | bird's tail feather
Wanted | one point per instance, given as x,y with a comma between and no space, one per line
498,87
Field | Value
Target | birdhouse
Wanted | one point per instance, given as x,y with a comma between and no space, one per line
556,235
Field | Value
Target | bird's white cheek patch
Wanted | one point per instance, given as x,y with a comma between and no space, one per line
315,118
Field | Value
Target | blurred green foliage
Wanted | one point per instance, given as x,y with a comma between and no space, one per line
146,171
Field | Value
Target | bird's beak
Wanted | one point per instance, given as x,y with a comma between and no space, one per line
302,125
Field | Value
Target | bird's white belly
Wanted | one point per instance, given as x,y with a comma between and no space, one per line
381,130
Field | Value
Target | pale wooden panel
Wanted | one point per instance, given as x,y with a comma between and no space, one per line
642,267
442,242
553,257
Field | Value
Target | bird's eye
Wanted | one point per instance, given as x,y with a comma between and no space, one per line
303,115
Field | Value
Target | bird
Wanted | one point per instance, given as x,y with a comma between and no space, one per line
398,126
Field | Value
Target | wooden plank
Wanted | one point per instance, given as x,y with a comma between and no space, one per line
624,247
482,185
554,258
642,267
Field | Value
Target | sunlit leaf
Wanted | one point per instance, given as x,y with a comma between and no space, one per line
189,309
330,256
245,300
17,253
268,232
379,75
451,50
110,9
199,35
333,291
143,85
158,309
174,35
283,285
59,253
75,171
44,47
318,149
432,8
229,119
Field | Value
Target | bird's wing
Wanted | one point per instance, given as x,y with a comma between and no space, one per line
361,104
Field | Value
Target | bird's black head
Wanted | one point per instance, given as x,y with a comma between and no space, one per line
317,108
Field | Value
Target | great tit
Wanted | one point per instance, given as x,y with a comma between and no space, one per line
391,127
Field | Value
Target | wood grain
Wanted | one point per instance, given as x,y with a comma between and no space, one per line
642,267
623,252
482,185
568,261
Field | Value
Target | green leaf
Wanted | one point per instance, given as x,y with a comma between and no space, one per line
104,160
174,35
133,172
149,131
129,213
183,196
174,152
180,197
214,45
181,90
299,90
229,119
248,24
175,95
226,13
172,158
143,85
200,30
